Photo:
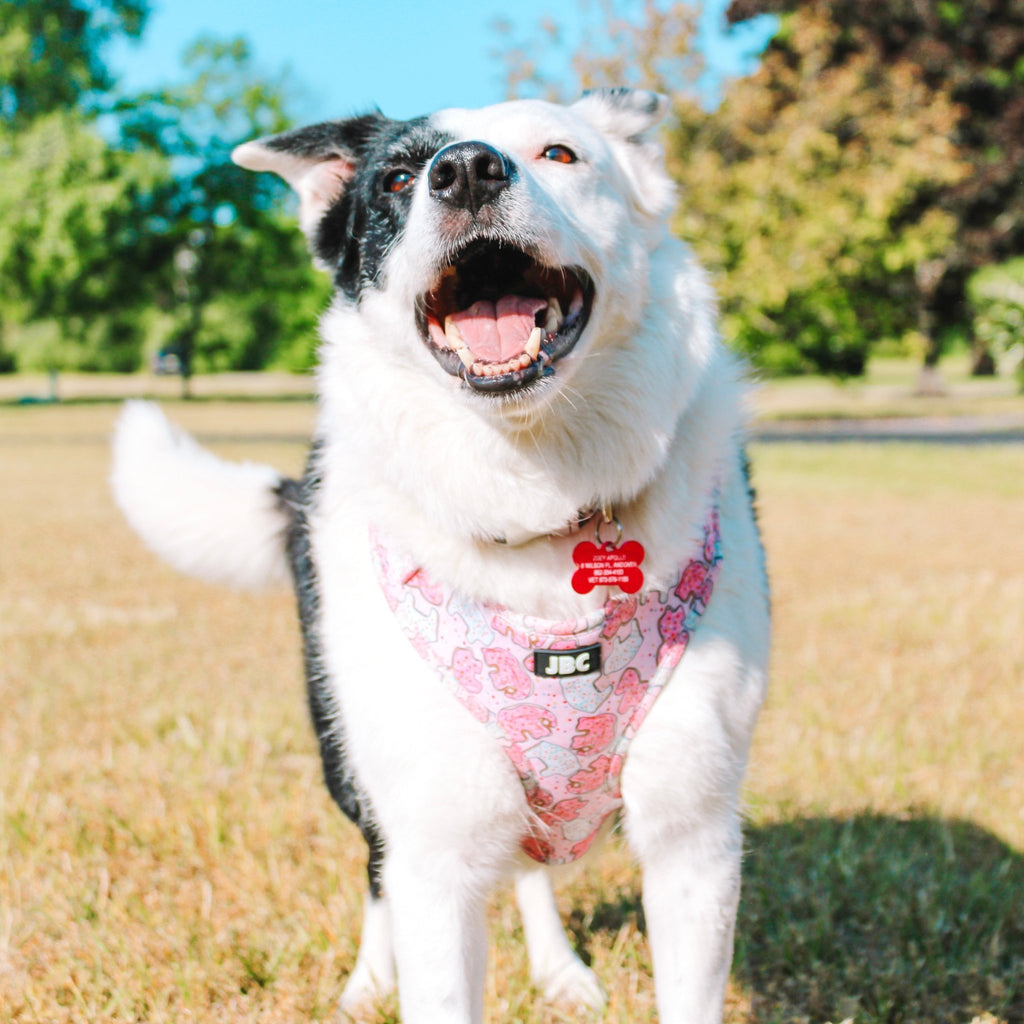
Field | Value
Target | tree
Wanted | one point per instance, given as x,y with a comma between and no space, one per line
810,193
235,279
652,50
70,216
51,53
971,54
807,192
997,299
65,200
112,247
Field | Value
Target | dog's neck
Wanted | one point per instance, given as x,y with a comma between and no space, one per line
434,512
447,473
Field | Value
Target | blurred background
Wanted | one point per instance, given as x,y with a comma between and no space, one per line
850,171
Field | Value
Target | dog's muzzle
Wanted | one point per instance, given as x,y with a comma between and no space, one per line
500,319
496,316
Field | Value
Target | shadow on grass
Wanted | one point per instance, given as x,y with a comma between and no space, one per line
916,920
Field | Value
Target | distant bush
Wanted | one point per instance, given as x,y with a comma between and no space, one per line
997,300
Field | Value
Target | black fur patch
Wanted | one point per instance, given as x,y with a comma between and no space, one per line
298,498
755,513
360,229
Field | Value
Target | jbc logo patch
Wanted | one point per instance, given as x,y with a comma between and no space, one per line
579,662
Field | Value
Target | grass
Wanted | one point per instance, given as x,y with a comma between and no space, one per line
168,852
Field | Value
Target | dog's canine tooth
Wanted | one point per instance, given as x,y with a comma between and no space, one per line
577,302
452,333
553,318
533,344
457,344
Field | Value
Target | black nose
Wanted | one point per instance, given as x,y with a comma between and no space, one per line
467,175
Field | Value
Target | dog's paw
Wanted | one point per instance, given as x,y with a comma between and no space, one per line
573,984
363,995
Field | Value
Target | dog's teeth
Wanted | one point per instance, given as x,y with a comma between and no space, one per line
451,332
526,359
553,317
577,302
533,344
456,343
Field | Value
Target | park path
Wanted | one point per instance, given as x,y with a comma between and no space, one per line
1005,428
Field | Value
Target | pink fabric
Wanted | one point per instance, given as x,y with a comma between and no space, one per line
567,737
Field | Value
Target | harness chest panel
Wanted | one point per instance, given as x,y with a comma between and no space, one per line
563,699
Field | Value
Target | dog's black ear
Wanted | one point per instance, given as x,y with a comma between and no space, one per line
317,161
628,113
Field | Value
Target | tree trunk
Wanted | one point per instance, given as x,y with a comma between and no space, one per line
983,363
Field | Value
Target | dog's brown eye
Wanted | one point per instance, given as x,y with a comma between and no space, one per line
560,154
398,181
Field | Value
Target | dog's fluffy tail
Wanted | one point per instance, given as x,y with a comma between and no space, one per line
221,521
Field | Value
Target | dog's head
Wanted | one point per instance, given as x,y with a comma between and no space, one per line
505,242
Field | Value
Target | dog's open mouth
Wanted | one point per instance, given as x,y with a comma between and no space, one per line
499,319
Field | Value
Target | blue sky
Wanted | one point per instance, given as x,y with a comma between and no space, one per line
406,57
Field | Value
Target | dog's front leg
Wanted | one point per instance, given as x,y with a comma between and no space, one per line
680,787
554,966
440,939
373,975
690,893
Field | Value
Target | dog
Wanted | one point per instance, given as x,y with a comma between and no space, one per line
532,592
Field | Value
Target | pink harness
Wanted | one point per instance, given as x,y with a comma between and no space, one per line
564,699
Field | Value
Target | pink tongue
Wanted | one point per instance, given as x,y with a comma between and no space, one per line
495,332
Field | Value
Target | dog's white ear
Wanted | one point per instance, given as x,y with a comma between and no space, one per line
628,117
630,114
318,161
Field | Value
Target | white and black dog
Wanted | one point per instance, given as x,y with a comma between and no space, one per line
532,591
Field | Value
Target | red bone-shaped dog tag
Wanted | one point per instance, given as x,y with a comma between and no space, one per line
608,566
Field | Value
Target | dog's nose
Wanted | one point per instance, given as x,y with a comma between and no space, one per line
468,175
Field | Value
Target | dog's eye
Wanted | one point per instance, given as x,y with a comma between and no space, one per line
560,154
398,180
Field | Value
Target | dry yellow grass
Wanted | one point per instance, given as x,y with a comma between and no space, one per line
168,853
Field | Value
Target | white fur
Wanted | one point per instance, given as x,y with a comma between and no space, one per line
185,502
646,413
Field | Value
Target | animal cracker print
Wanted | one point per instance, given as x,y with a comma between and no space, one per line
567,737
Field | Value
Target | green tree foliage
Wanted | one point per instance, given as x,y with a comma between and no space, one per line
144,236
969,53
810,192
70,217
51,52
68,203
844,192
997,300
238,288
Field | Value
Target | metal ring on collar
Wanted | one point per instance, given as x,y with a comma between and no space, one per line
612,521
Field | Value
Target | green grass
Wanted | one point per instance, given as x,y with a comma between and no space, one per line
168,851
